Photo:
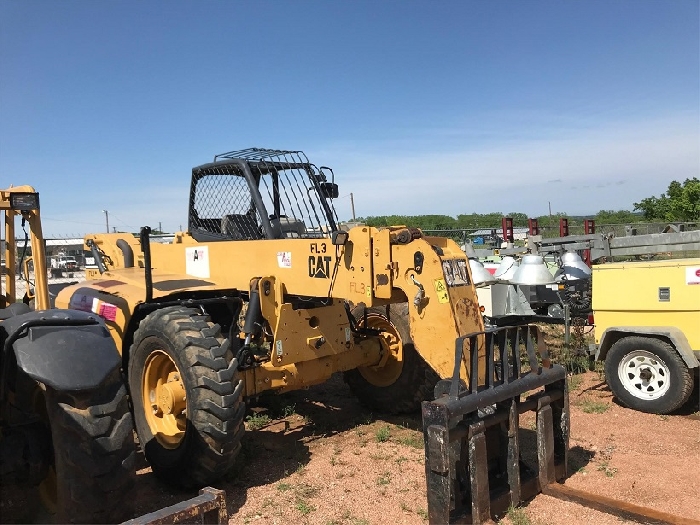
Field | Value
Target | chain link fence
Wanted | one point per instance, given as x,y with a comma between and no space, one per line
490,238
494,236
24,283
65,263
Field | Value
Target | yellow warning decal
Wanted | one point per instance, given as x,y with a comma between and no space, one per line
441,290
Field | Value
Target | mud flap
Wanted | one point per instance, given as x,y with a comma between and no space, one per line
473,463
68,350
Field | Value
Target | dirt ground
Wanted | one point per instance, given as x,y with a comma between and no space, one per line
318,457
323,459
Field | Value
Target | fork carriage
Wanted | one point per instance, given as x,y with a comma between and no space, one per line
472,435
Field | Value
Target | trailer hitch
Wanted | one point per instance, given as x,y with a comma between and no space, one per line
473,463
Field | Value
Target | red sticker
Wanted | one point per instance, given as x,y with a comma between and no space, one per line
108,311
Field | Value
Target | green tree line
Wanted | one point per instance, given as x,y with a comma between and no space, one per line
680,203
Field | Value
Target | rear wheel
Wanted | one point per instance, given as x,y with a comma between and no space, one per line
648,375
93,473
402,379
187,396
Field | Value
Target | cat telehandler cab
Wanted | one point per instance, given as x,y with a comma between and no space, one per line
265,292
64,419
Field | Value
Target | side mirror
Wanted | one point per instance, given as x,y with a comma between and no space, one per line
329,190
339,238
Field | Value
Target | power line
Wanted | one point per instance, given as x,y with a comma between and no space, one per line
75,222
125,224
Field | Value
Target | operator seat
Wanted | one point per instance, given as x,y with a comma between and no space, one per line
286,227
240,227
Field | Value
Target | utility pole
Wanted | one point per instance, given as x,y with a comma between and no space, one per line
352,205
160,227
106,219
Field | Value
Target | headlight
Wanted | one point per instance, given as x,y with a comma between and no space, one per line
24,201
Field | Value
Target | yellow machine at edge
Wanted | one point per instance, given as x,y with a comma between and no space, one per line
65,428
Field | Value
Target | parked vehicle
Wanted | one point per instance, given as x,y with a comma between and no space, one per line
63,264
647,330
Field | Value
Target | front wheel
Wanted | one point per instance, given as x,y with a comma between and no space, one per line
402,380
187,397
647,374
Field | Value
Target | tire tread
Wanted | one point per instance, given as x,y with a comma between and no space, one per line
215,396
94,452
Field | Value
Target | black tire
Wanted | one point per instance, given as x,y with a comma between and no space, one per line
213,389
670,381
416,382
94,453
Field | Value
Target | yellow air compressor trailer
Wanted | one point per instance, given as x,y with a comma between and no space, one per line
647,329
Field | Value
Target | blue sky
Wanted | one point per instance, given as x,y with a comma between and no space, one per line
420,107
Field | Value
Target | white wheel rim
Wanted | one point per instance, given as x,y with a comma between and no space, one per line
644,375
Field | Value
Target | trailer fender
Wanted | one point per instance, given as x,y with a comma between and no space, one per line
674,335
64,349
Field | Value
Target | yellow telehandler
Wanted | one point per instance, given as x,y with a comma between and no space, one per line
265,292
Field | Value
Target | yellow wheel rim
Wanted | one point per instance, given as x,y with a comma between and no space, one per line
388,370
164,400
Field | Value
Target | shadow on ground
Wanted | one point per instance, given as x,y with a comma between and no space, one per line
276,442
289,423
689,408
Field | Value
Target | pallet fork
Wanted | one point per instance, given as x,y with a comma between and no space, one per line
208,507
474,465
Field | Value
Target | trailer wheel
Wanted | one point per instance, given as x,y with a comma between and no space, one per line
93,450
403,379
648,375
187,397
